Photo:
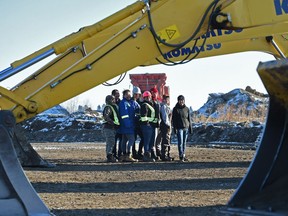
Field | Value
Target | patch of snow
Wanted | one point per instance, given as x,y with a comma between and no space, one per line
56,111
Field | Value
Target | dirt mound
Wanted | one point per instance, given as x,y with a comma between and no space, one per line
227,132
202,133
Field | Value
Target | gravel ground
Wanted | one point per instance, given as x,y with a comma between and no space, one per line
82,183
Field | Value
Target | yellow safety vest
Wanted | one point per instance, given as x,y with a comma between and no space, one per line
116,120
146,118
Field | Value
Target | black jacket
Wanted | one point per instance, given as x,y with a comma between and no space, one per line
181,118
156,106
145,112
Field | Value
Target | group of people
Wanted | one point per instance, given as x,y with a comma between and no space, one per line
144,116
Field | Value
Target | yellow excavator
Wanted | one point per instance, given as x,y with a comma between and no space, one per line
141,35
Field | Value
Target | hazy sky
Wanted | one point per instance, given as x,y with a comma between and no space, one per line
28,25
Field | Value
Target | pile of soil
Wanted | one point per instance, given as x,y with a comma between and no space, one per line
202,133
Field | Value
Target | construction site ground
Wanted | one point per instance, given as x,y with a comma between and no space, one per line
82,183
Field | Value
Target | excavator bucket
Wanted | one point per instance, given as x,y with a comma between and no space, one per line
27,156
17,196
264,189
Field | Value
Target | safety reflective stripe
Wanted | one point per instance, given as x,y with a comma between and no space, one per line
116,120
155,120
125,116
146,118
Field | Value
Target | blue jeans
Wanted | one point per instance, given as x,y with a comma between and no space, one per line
182,135
127,148
148,137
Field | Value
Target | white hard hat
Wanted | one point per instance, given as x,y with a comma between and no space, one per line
136,90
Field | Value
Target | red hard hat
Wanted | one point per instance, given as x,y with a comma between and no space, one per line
147,94
154,90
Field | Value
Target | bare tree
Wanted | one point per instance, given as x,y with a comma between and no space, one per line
87,103
71,105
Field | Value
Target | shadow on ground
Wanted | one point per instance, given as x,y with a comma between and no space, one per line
139,186
167,211
90,165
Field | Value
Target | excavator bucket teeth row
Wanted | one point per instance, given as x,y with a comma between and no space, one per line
17,196
264,189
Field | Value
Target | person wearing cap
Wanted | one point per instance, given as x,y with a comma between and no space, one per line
147,118
181,120
127,125
137,98
110,126
156,151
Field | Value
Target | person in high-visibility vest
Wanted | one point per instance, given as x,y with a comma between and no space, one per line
146,123
117,151
110,126
156,150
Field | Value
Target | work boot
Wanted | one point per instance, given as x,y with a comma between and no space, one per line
111,159
184,159
140,156
154,156
147,157
167,158
158,153
129,158
134,154
121,158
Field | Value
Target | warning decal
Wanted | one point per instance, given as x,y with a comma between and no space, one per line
169,33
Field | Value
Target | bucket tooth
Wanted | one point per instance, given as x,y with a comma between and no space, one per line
27,156
264,189
17,196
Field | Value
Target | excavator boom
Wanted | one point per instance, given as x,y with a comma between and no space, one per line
143,34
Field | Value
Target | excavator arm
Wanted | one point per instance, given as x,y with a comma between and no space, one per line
139,32
221,42
85,57
144,34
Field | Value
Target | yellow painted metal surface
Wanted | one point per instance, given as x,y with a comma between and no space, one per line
169,33
220,42
251,13
74,39
274,75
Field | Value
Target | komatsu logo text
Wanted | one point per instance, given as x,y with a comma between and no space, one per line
281,7
208,47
